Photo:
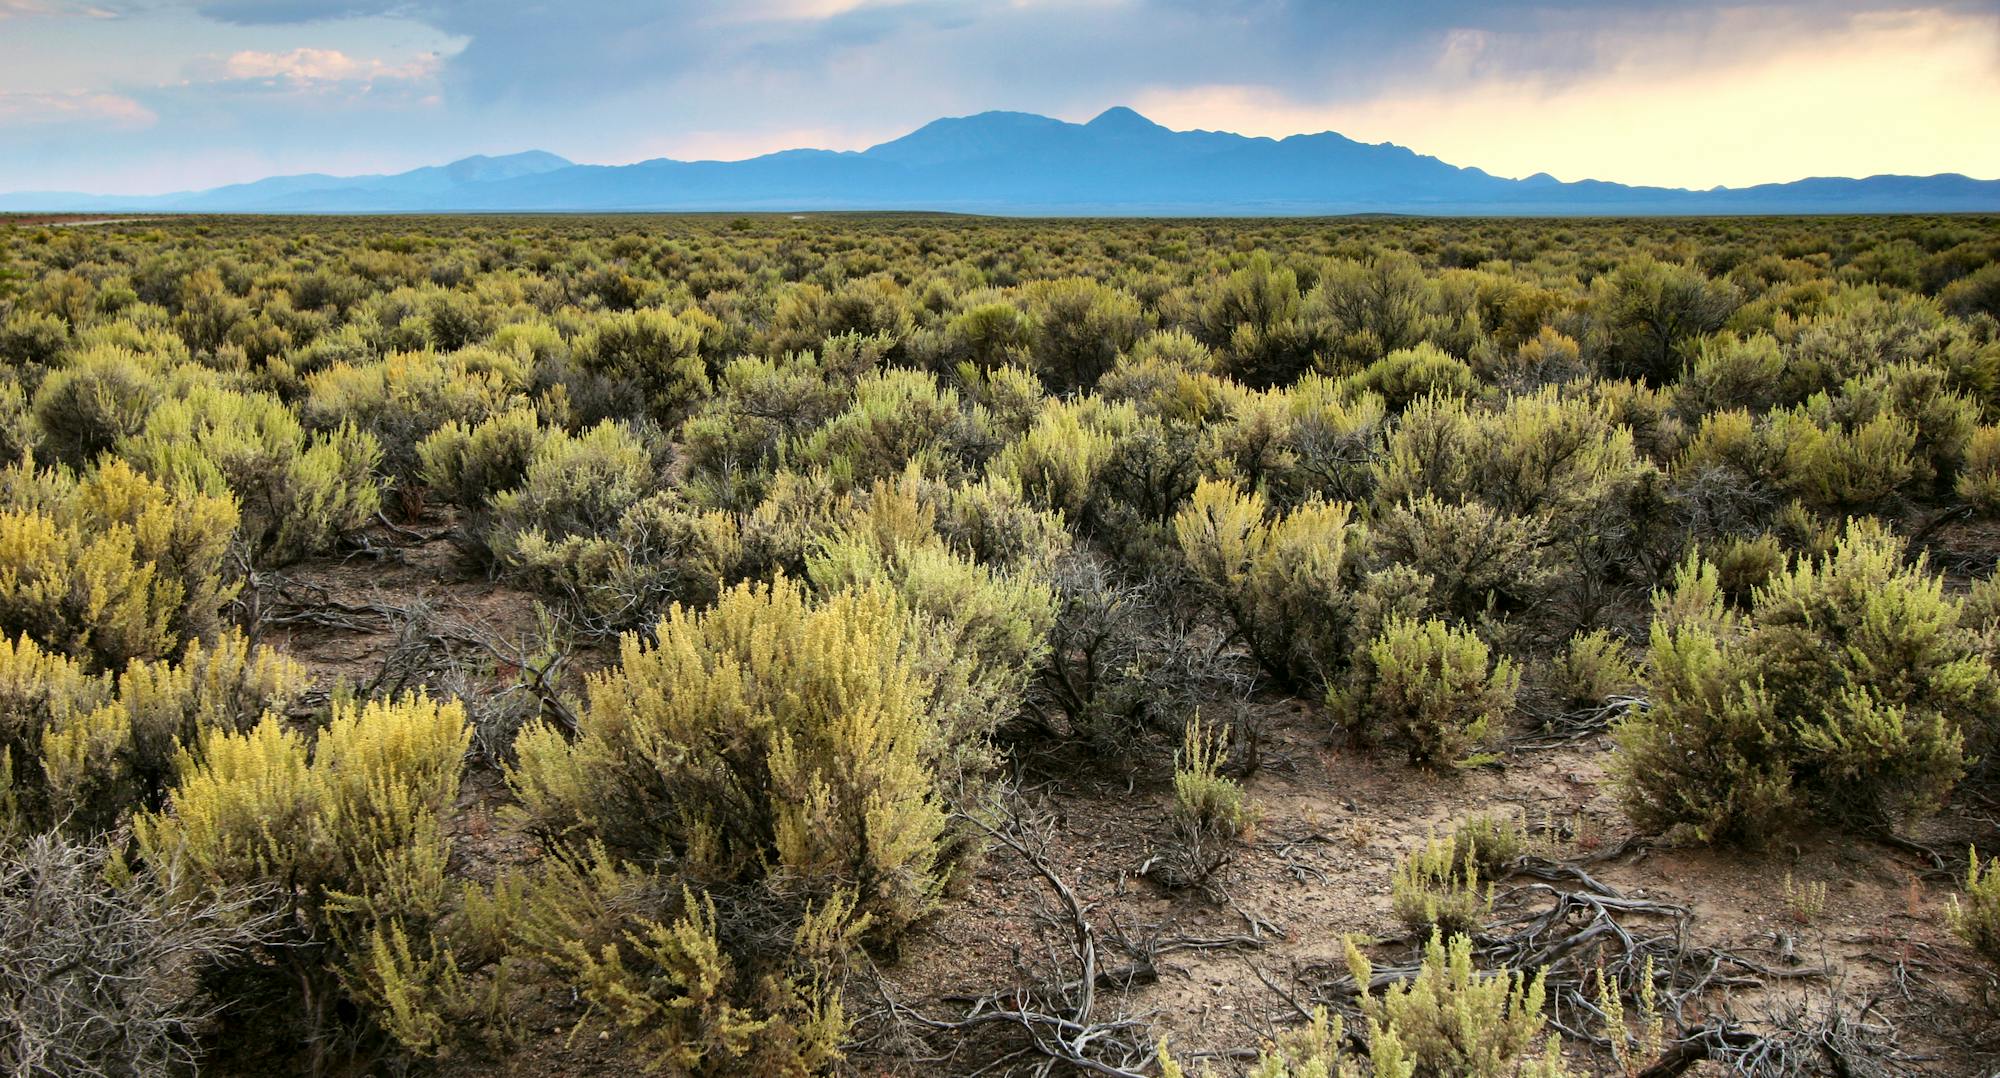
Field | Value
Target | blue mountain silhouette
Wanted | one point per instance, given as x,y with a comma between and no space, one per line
1019,163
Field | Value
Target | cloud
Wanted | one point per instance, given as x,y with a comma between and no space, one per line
1891,92
28,9
23,109
308,65
728,145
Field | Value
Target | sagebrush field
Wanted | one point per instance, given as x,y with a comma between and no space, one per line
941,646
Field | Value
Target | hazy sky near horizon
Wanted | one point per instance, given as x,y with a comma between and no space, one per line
142,96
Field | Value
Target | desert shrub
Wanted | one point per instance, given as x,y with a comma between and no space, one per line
979,631
1210,812
1011,397
762,407
1245,432
1738,467
1974,294
1550,357
1744,565
664,355
38,690
1168,373
1725,476
1564,459
1283,581
1058,461
808,314
1865,656
1633,1046
575,484
1848,693
112,566
31,341
297,495
1433,688
1319,1049
1121,664
1323,443
85,751
141,331
659,549
1558,457
457,320
1483,564
1945,418
1150,471
1978,482
1492,841
83,408
897,416
1726,371
1704,755
658,966
1409,374
344,841
1831,466
1976,919
994,522
788,525
779,756
1366,311
1452,1019
1657,433
763,694
285,374
468,466
1253,317
1860,330
1437,888
17,424
990,334
1080,327
402,399
206,311
1645,311
98,965
1590,670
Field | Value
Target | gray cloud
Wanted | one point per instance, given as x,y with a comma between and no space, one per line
1036,54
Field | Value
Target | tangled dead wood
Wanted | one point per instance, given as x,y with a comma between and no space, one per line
1059,1014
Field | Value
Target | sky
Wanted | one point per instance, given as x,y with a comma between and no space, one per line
150,96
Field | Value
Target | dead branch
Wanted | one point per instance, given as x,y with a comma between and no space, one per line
1568,727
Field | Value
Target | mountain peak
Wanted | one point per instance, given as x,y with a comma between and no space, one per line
1120,118
524,159
956,138
481,167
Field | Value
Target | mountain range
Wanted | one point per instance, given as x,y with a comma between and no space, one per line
1119,163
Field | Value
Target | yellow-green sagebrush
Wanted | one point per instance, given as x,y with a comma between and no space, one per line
343,837
747,797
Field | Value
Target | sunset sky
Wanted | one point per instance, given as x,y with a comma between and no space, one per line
133,96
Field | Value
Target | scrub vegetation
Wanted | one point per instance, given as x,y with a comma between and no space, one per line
554,646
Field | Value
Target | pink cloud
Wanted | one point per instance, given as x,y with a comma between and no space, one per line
308,65
26,9
21,109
